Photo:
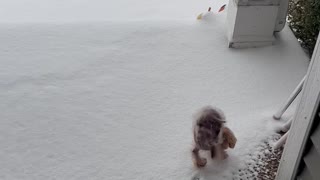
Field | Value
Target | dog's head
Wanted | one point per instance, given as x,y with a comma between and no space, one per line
207,127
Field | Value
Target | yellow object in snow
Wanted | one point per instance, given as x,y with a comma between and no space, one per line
200,16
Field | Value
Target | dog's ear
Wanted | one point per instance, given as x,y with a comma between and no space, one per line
229,136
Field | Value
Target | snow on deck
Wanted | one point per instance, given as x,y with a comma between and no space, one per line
115,100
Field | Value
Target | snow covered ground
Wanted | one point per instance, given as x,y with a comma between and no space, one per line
22,11
114,99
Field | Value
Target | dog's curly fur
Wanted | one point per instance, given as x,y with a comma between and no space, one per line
210,134
229,138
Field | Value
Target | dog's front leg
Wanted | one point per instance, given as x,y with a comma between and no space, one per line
199,162
222,154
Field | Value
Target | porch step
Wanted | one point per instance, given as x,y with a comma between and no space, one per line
315,136
312,161
305,175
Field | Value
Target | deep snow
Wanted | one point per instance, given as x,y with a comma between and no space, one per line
115,100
